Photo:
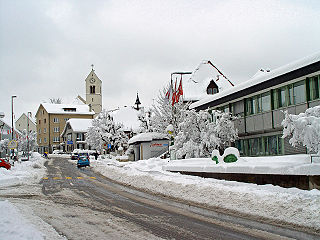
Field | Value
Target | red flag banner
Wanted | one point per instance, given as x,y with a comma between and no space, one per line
174,95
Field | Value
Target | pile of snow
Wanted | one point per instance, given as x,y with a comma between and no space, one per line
290,165
23,172
290,205
14,226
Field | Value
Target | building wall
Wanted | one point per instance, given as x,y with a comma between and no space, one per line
22,123
50,127
259,115
146,150
76,143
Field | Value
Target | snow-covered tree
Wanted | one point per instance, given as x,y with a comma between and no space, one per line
145,120
4,144
198,135
163,113
224,128
55,100
105,131
303,128
23,141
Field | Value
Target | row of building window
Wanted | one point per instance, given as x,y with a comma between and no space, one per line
261,146
291,94
55,120
55,139
55,129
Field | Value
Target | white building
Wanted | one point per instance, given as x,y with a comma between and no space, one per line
23,121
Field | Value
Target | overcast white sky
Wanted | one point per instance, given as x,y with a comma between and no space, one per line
47,47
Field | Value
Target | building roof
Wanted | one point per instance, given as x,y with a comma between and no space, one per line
65,109
30,119
128,116
147,137
195,86
78,125
262,77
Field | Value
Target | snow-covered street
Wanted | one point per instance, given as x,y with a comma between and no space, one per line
282,205
57,207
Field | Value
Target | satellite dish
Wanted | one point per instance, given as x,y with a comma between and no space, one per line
2,115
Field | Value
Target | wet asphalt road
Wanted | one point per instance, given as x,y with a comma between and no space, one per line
153,214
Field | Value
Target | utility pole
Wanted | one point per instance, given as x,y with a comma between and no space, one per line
28,134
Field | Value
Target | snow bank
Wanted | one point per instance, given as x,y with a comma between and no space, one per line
14,226
289,165
23,172
291,205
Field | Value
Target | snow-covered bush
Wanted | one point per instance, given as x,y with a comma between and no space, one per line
198,135
303,128
26,139
105,131
4,144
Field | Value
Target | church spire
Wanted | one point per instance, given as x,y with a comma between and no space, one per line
137,103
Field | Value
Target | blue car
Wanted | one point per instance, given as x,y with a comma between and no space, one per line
83,161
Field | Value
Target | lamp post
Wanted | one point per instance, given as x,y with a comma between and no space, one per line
2,125
28,134
12,97
12,128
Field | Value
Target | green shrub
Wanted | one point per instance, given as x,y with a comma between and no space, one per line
215,158
230,158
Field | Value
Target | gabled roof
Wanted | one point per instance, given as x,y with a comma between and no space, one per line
92,74
264,77
78,125
30,119
66,109
147,137
195,86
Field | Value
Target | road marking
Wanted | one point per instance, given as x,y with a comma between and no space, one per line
92,177
45,178
68,177
56,178
80,177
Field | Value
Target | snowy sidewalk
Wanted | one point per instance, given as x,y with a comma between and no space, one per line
17,221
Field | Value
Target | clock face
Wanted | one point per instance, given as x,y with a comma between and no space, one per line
92,80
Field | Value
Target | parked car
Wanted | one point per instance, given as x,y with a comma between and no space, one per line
83,161
57,151
5,164
74,156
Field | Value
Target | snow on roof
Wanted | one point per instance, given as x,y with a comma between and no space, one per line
65,108
195,87
128,116
79,124
147,137
259,78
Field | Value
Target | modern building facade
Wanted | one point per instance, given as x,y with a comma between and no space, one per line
73,134
23,121
51,120
259,104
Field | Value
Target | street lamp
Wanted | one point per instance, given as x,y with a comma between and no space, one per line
28,133
12,97
2,125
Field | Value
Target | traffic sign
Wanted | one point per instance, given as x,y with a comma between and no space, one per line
13,144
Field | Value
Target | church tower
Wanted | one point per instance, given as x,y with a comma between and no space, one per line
93,92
